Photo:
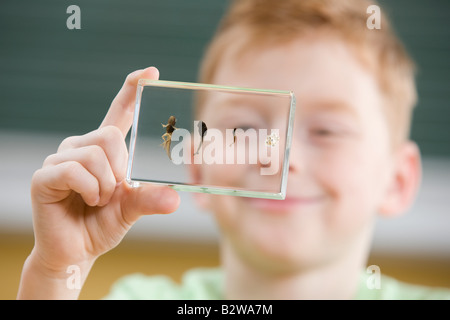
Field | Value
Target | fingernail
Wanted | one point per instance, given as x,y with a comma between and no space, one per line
97,200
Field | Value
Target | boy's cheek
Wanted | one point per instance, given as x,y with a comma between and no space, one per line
355,179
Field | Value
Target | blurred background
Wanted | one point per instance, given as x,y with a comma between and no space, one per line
56,82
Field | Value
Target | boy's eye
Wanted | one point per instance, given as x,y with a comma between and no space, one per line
321,132
330,131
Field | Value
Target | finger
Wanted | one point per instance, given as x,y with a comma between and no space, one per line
111,140
94,160
54,183
120,113
148,199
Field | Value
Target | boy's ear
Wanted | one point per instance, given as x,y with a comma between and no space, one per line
405,181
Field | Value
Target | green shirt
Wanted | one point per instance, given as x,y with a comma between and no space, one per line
207,284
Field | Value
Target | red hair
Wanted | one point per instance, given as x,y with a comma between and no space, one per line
252,23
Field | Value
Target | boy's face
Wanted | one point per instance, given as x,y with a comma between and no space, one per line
340,160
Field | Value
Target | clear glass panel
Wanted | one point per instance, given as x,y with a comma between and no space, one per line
211,139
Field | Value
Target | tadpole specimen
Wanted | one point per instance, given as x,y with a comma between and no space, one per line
202,130
234,136
167,137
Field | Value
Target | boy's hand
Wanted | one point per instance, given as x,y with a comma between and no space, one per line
81,205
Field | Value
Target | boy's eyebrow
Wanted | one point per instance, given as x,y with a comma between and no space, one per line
252,102
242,104
235,101
333,106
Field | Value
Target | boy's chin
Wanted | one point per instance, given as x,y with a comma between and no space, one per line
279,263
278,256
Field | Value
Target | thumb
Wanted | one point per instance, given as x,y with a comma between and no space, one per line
147,199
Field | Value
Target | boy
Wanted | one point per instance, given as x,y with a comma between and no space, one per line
350,160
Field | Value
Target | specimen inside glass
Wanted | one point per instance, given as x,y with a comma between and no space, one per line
211,139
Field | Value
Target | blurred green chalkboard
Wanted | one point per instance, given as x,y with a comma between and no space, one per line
57,80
